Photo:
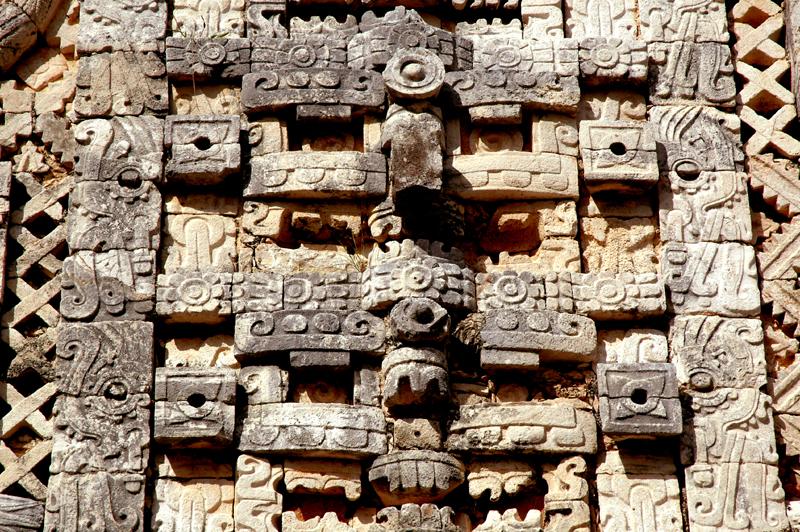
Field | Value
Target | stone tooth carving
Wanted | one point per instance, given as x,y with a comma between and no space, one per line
111,285
632,346
559,426
707,206
511,520
639,399
418,319
566,502
207,59
205,149
258,503
637,494
711,277
212,19
415,476
520,337
301,330
618,154
121,83
408,270
276,89
412,516
113,500
328,26
600,19
125,25
257,292
608,296
193,296
414,376
20,514
542,90
302,50
498,477
525,291
712,352
619,245
692,73
108,215
664,21
112,358
381,37
312,430
323,477
610,60
317,175
124,149
194,407
197,504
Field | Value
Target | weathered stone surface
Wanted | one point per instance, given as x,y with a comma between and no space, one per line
414,476
691,73
301,51
619,245
215,19
498,477
631,346
323,477
543,427
414,377
497,522
618,154
205,352
610,60
122,149
566,502
205,149
663,21
258,503
111,285
195,242
525,291
609,296
112,26
415,137
711,277
412,516
111,215
418,319
712,352
414,74
20,514
205,99
205,504
194,407
121,83
585,19
264,384
257,292
543,90
780,254
327,330
314,430
639,399
193,296
417,433
18,34
317,175
206,59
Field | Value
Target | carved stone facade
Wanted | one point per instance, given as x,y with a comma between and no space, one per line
372,265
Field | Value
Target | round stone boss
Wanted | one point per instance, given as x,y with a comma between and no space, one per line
414,73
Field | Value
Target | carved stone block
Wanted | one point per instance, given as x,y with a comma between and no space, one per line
299,52
587,19
663,21
299,330
415,476
323,175
609,296
109,215
257,292
618,154
194,407
76,499
415,136
121,83
542,17
111,285
21,514
711,352
417,433
619,245
542,427
414,377
631,346
704,206
276,89
639,399
258,502
512,175
323,477
318,291
19,34
110,361
611,60
525,291
193,296
544,91
215,19
204,504
123,149
264,384
418,319
311,430
204,352
691,73
207,59
205,149
199,242
497,522
710,277
498,478
111,26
